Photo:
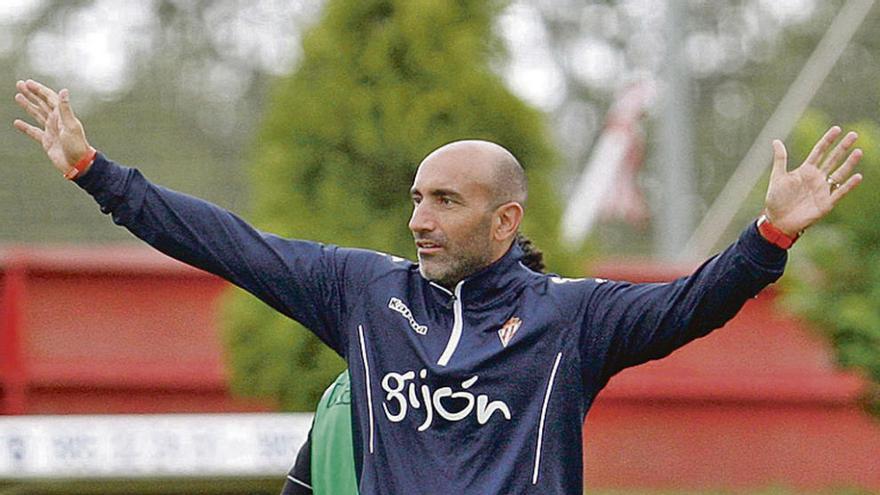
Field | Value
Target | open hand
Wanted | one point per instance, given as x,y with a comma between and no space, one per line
799,198
59,131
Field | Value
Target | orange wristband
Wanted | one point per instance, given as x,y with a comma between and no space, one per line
81,165
774,235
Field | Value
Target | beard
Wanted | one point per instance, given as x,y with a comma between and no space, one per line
457,260
447,270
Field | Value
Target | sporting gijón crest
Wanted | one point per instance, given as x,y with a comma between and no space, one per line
508,330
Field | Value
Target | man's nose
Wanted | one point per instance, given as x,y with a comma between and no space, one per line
421,220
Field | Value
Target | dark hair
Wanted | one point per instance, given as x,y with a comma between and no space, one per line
533,258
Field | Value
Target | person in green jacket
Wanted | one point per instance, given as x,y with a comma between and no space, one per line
325,463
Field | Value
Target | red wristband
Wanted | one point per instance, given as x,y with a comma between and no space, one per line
774,235
81,165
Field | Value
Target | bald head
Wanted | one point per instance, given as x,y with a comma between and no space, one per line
467,207
491,164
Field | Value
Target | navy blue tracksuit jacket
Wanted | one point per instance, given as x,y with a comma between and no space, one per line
482,389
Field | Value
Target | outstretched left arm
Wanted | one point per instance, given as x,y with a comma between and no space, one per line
633,323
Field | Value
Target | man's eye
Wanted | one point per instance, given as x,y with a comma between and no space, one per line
416,200
445,201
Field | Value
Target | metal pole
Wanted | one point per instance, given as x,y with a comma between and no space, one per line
676,136
757,160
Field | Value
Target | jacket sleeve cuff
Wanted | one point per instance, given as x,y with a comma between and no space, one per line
760,250
106,181
96,176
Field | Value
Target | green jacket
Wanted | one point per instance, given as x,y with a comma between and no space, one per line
332,452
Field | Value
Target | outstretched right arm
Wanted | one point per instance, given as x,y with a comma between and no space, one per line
300,279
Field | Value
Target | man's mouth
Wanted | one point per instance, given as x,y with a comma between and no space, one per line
428,247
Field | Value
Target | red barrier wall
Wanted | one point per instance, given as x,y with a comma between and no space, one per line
109,330
755,404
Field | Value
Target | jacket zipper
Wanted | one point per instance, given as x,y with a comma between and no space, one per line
455,336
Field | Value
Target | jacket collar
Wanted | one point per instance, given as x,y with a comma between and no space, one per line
488,284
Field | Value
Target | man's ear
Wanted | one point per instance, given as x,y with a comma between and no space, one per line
506,222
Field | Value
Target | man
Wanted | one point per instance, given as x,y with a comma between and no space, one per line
469,372
325,462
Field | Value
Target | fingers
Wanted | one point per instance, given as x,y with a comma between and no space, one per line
41,92
844,189
36,106
67,116
39,114
780,159
32,97
831,161
32,132
822,146
844,170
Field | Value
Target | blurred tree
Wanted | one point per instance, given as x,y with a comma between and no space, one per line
381,84
836,265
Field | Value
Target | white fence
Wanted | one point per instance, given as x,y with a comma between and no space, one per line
126,446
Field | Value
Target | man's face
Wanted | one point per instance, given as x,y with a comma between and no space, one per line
451,220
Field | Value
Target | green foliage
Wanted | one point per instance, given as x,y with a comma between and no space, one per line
381,84
836,265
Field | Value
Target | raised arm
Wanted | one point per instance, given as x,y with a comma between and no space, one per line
639,322
301,279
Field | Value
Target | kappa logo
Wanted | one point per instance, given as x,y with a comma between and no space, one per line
508,330
397,305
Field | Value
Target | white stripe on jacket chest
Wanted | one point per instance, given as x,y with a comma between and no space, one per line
455,335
